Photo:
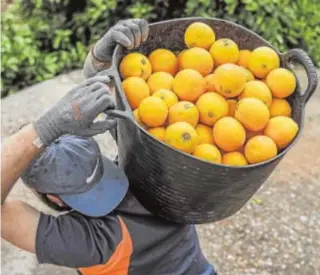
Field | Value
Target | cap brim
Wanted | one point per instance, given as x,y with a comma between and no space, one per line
105,196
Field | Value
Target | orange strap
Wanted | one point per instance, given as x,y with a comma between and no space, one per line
119,262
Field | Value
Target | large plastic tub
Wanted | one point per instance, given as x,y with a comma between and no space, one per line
177,186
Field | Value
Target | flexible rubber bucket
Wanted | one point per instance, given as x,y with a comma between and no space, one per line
175,185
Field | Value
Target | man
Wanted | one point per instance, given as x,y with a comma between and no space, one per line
73,114
102,234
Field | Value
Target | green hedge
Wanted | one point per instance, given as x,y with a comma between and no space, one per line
42,38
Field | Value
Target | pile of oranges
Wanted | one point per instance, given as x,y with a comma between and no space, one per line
212,100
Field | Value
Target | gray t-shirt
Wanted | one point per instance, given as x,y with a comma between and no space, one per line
129,241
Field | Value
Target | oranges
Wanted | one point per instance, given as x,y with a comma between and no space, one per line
232,105
182,136
205,134
244,58
221,104
280,107
262,61
259,149
229,80
252,113
189,85
249,75
160,80
209,83
163,60
198,59
282,130
224,51
229,134
234,159
259,90
184,111
167,96
135,89
153,111
158,132
281,82
135,64
199,35
137,118
212,107
208,152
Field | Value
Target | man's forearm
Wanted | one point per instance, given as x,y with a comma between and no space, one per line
92,66
16,154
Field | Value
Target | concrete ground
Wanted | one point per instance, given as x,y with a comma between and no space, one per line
276,233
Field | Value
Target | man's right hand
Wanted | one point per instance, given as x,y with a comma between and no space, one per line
76,111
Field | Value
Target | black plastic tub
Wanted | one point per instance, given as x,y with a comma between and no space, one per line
175,185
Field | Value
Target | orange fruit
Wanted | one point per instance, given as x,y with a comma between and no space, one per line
197,59
158,133
160,80
244,58
280,107
208,152
135,89
169,97
163,60
234,159
137,118
249,75
257,89
252,113
262,61
282,130
184,111
282,82
153,111
209,83
232,103
224,51
182,136
180,58
205,134
259,149
212,107
135,64
199,35
189,85
251,134
229,134
229,80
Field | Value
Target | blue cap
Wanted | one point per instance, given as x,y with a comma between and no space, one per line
73,169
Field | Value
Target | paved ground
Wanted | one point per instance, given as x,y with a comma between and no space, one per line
277,232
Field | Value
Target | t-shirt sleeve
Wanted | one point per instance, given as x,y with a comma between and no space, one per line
75,241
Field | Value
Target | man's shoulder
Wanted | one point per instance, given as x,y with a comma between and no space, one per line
65,239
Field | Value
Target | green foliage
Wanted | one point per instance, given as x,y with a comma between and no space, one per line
42,38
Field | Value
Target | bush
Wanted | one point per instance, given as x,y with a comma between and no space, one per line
42,38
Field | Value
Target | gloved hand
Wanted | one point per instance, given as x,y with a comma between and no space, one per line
75,112
128,33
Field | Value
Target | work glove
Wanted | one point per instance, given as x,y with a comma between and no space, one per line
75,112
128,33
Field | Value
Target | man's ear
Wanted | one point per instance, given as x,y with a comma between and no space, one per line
55,199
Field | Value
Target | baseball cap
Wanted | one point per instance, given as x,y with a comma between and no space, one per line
73,169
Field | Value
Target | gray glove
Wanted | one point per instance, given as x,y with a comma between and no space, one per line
128,33
75,112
